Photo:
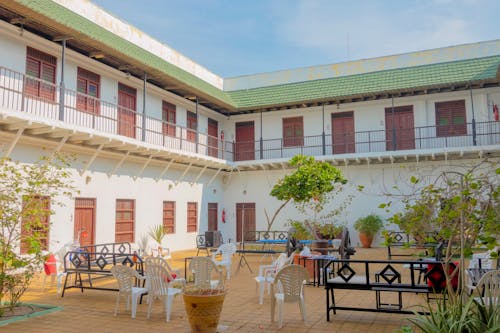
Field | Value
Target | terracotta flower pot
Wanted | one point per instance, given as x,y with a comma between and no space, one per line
366,240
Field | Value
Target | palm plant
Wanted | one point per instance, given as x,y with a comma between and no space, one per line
157,233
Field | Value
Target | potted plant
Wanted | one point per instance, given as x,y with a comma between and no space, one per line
158,233
368,227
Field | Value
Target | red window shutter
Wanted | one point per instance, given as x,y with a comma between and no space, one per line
41,66
293,132
192,217
191,125
168,115
169,216
451,118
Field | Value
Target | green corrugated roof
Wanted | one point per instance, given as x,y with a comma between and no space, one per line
333,88
369,83
72,20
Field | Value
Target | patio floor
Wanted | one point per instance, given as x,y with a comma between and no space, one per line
92,310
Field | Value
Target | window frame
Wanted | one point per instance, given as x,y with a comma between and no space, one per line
450,111
85,102
168,112
122,210
296,126
35,84
192,207
191,126
169,226
44,202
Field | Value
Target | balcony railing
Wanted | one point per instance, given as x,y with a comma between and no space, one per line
17,94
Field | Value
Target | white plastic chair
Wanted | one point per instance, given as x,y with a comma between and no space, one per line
59,267
227,251
127,278
204,269
267,273
175,273
161,285
478,266
488,289
288,287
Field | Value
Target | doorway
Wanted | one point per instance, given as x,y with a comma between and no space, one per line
245,221
84,228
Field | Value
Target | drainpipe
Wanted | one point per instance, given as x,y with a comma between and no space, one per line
61,84
323,134
261,141
474,142
393,124
144,107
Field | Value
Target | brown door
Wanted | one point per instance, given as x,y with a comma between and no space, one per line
212,216
404,134
343,133
31,226
245,221
126,110
245,136
213,132
84,230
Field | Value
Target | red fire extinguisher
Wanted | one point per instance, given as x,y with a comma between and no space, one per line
223,215
495,112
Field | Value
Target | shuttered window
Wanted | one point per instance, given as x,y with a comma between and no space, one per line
88,86
168,117
125,220
450,118
192,217
40,75
169,216
293,132
192,124
35,222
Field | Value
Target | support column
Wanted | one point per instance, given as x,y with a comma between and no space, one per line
61,84
474,137
197,126
393,124
144,107
323,139
261,140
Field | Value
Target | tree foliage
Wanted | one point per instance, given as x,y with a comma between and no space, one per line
309,186
22,216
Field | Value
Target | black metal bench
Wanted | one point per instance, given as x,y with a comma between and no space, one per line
400,239
94,262
396,276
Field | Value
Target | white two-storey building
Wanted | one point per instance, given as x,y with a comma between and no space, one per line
160,139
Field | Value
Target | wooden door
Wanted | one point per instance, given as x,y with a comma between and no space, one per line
35,227
245,221
84,229
126,110
244,149
213,142
343,133
192,126
404,127
212,216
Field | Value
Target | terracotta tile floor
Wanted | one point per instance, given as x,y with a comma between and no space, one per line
92,310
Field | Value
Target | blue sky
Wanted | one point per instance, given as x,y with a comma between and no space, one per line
238,37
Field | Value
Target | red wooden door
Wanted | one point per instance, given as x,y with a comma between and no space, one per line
212,216
84,229
404,127
245,221
213,142
126,110
343,133
245,140
192,126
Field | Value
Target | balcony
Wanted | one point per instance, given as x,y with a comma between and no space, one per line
41,100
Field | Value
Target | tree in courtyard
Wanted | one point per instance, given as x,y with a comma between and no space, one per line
461,206
27,194
308,187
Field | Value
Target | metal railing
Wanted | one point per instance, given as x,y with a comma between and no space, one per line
19,92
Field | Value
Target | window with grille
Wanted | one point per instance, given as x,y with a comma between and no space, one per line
169,217
450,118
125,220
293,132
35,222
168,117
88,86
192,217
40,75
